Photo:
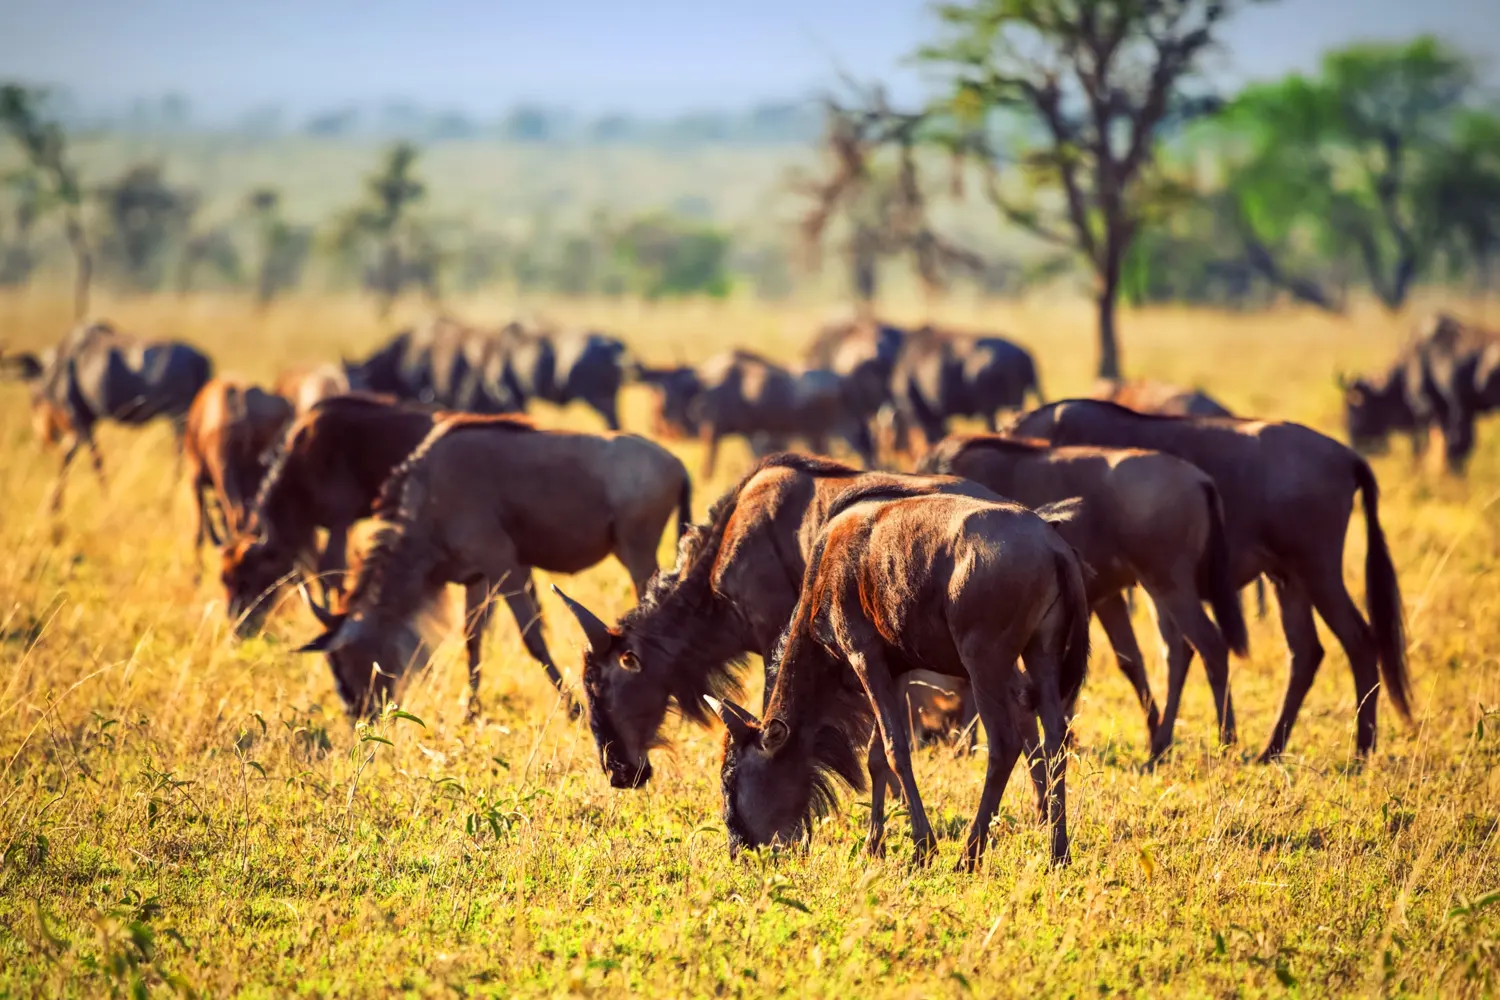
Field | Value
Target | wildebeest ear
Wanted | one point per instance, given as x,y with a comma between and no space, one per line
743,727
325,643
25,365
594,631
773,735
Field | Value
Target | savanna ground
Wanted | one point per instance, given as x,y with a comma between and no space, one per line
178,811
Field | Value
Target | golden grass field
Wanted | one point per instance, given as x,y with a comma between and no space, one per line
181,812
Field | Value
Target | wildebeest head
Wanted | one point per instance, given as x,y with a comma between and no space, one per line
367,656
627,701
1372,412
253,570
25,367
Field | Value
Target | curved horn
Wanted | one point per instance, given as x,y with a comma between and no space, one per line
741,724
324,615
594,630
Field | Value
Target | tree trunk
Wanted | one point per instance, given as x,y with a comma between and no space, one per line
1109,345
84,273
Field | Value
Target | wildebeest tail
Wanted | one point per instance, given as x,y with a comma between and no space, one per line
1383,595
684,507
1075,658
1215,576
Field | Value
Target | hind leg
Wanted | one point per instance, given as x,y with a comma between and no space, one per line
1115,620
1042,666
1180,606
1337,608
478,605
875,675
881,778
1307,654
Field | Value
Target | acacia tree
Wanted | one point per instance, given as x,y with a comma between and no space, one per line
1379,163
45,148
1092,85
876,198
383,234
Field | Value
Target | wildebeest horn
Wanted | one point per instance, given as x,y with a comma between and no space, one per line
594,630
324,614
741,724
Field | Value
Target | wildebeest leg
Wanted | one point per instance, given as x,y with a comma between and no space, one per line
333,561
528,615
1042,666
54,501
608,408
1115,619
478,605
1180,606
710,439
1337,608
870,666
858,437
880,778
635,547
1307,653
989,421
1010,730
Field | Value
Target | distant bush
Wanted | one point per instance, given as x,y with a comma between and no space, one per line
664,257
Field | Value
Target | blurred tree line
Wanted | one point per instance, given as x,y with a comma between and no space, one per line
1088,128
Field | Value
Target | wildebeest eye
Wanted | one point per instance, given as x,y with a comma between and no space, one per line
629,662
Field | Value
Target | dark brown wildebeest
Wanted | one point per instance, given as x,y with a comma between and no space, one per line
731,593
442,362
958,585
328,474
481,502
1145,396
743,393
939,374
231,427
1288,495
1444,378
938,708
674,390
559,366
97,373
1146,518
862,352
304,387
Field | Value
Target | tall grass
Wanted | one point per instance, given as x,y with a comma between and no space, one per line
178,811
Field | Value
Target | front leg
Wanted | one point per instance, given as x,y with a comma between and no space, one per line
477,609
875,675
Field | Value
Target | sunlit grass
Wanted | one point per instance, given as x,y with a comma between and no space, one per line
191,811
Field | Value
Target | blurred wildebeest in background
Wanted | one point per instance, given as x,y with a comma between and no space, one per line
1147,396
231,427
481,502
731,593
442,362
1288,495
742,393
1447,375
673,392
327,474
939,708
939,374
862,352
97,373
896,582
559,367
304,387
1145,518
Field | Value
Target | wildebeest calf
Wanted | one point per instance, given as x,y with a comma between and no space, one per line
958,585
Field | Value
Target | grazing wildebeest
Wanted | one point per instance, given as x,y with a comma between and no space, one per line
560,367
442,362
959,585
328,475
1146,518
1444,378
731,593
305,387
231,427
938,708
862,352
481,502
674,390
1145,396
744,393
939,374
1288,495
97,373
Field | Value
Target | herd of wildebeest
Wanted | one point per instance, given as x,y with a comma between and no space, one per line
885,605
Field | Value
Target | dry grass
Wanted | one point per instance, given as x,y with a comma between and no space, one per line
189,812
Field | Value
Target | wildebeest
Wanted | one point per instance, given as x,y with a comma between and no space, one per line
862,352
327,474
731,593
939,374
938,708
97,373
1288,495
673,390
304,387
958,585
559,367
1147,396
1444,378
742,393
441,362
1146,518
230,428
481,502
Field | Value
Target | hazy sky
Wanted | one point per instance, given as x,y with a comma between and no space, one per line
594,55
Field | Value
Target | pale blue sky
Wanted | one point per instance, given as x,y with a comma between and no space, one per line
652,56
